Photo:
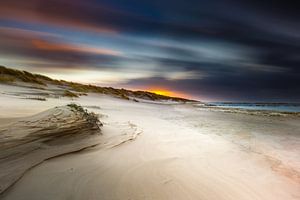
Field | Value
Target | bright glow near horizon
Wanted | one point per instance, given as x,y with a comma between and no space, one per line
167,92
205,50
95,77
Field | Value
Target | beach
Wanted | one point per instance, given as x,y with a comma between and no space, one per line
149,100
164,150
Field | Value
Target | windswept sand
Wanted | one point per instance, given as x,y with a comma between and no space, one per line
27,141
170,151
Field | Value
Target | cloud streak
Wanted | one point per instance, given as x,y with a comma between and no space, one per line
64,47
224,50
74,14
50,48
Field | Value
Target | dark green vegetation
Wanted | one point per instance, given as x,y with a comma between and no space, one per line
12,76
90,117
37,98
68,93
4,79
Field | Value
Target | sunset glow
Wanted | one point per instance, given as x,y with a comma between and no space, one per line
162,92
167,92
198,51
169,99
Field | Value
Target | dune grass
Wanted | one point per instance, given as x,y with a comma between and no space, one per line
8,75
6,79
37,98
20,75
70,94
90,117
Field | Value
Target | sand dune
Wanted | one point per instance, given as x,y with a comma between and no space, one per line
170,151
28,141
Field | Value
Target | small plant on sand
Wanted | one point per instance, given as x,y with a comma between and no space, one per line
68,93
76,107
90,117
37,98
123,96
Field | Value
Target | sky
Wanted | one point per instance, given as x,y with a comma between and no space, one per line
228,50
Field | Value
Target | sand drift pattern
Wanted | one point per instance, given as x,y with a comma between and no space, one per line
31,140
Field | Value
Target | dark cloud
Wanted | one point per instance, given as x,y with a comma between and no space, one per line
74,14
247,50
232,87
51,49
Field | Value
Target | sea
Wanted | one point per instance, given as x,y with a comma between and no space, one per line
280,107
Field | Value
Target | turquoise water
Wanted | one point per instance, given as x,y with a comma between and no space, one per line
281,107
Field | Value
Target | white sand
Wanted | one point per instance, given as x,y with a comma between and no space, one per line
153,151
28,141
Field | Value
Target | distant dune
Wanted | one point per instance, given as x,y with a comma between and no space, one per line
61,140
71,89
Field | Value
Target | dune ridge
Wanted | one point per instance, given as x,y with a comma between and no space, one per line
31,140
64,88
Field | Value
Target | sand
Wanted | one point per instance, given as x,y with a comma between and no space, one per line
168,151
28,141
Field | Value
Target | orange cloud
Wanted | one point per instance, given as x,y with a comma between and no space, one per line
44,45
75,14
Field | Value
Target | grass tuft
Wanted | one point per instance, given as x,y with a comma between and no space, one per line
6,79
90,117
70,94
